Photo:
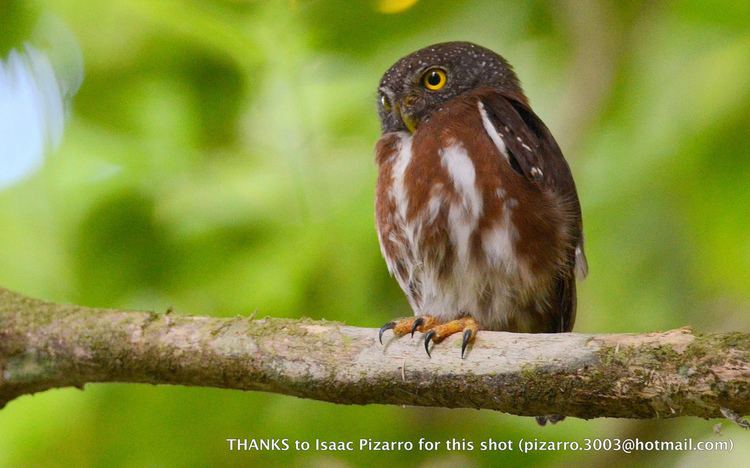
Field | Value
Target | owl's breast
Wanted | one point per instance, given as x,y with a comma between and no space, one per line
460,230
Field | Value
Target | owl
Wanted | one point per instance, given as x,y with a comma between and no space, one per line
477,213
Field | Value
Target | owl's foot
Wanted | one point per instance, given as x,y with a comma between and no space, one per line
438,333
434,330
403,326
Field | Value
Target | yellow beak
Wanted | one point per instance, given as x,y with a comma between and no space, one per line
409,121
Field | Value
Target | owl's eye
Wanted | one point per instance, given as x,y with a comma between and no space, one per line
385,102
434,79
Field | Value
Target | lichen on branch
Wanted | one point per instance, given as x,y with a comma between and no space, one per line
669,374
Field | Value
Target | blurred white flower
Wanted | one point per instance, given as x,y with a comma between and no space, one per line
35,90
31,113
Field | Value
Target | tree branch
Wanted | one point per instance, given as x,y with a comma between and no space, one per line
676,373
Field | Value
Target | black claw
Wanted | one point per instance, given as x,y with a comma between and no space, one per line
465,342
427,339
419,321
387,326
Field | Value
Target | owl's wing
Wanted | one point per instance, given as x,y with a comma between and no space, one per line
533,152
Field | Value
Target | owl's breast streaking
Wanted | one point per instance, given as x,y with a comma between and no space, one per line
465,229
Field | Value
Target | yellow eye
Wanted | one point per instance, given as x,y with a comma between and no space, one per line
434,79
385,102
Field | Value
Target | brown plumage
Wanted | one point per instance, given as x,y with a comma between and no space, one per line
476,209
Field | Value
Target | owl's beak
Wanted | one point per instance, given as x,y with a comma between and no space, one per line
409,120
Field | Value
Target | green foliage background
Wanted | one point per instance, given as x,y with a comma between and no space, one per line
219,159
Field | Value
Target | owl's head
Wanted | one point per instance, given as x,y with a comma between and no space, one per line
423,81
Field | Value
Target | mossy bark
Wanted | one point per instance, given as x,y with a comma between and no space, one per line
675,373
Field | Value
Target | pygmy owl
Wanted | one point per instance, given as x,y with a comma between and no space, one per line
477,213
